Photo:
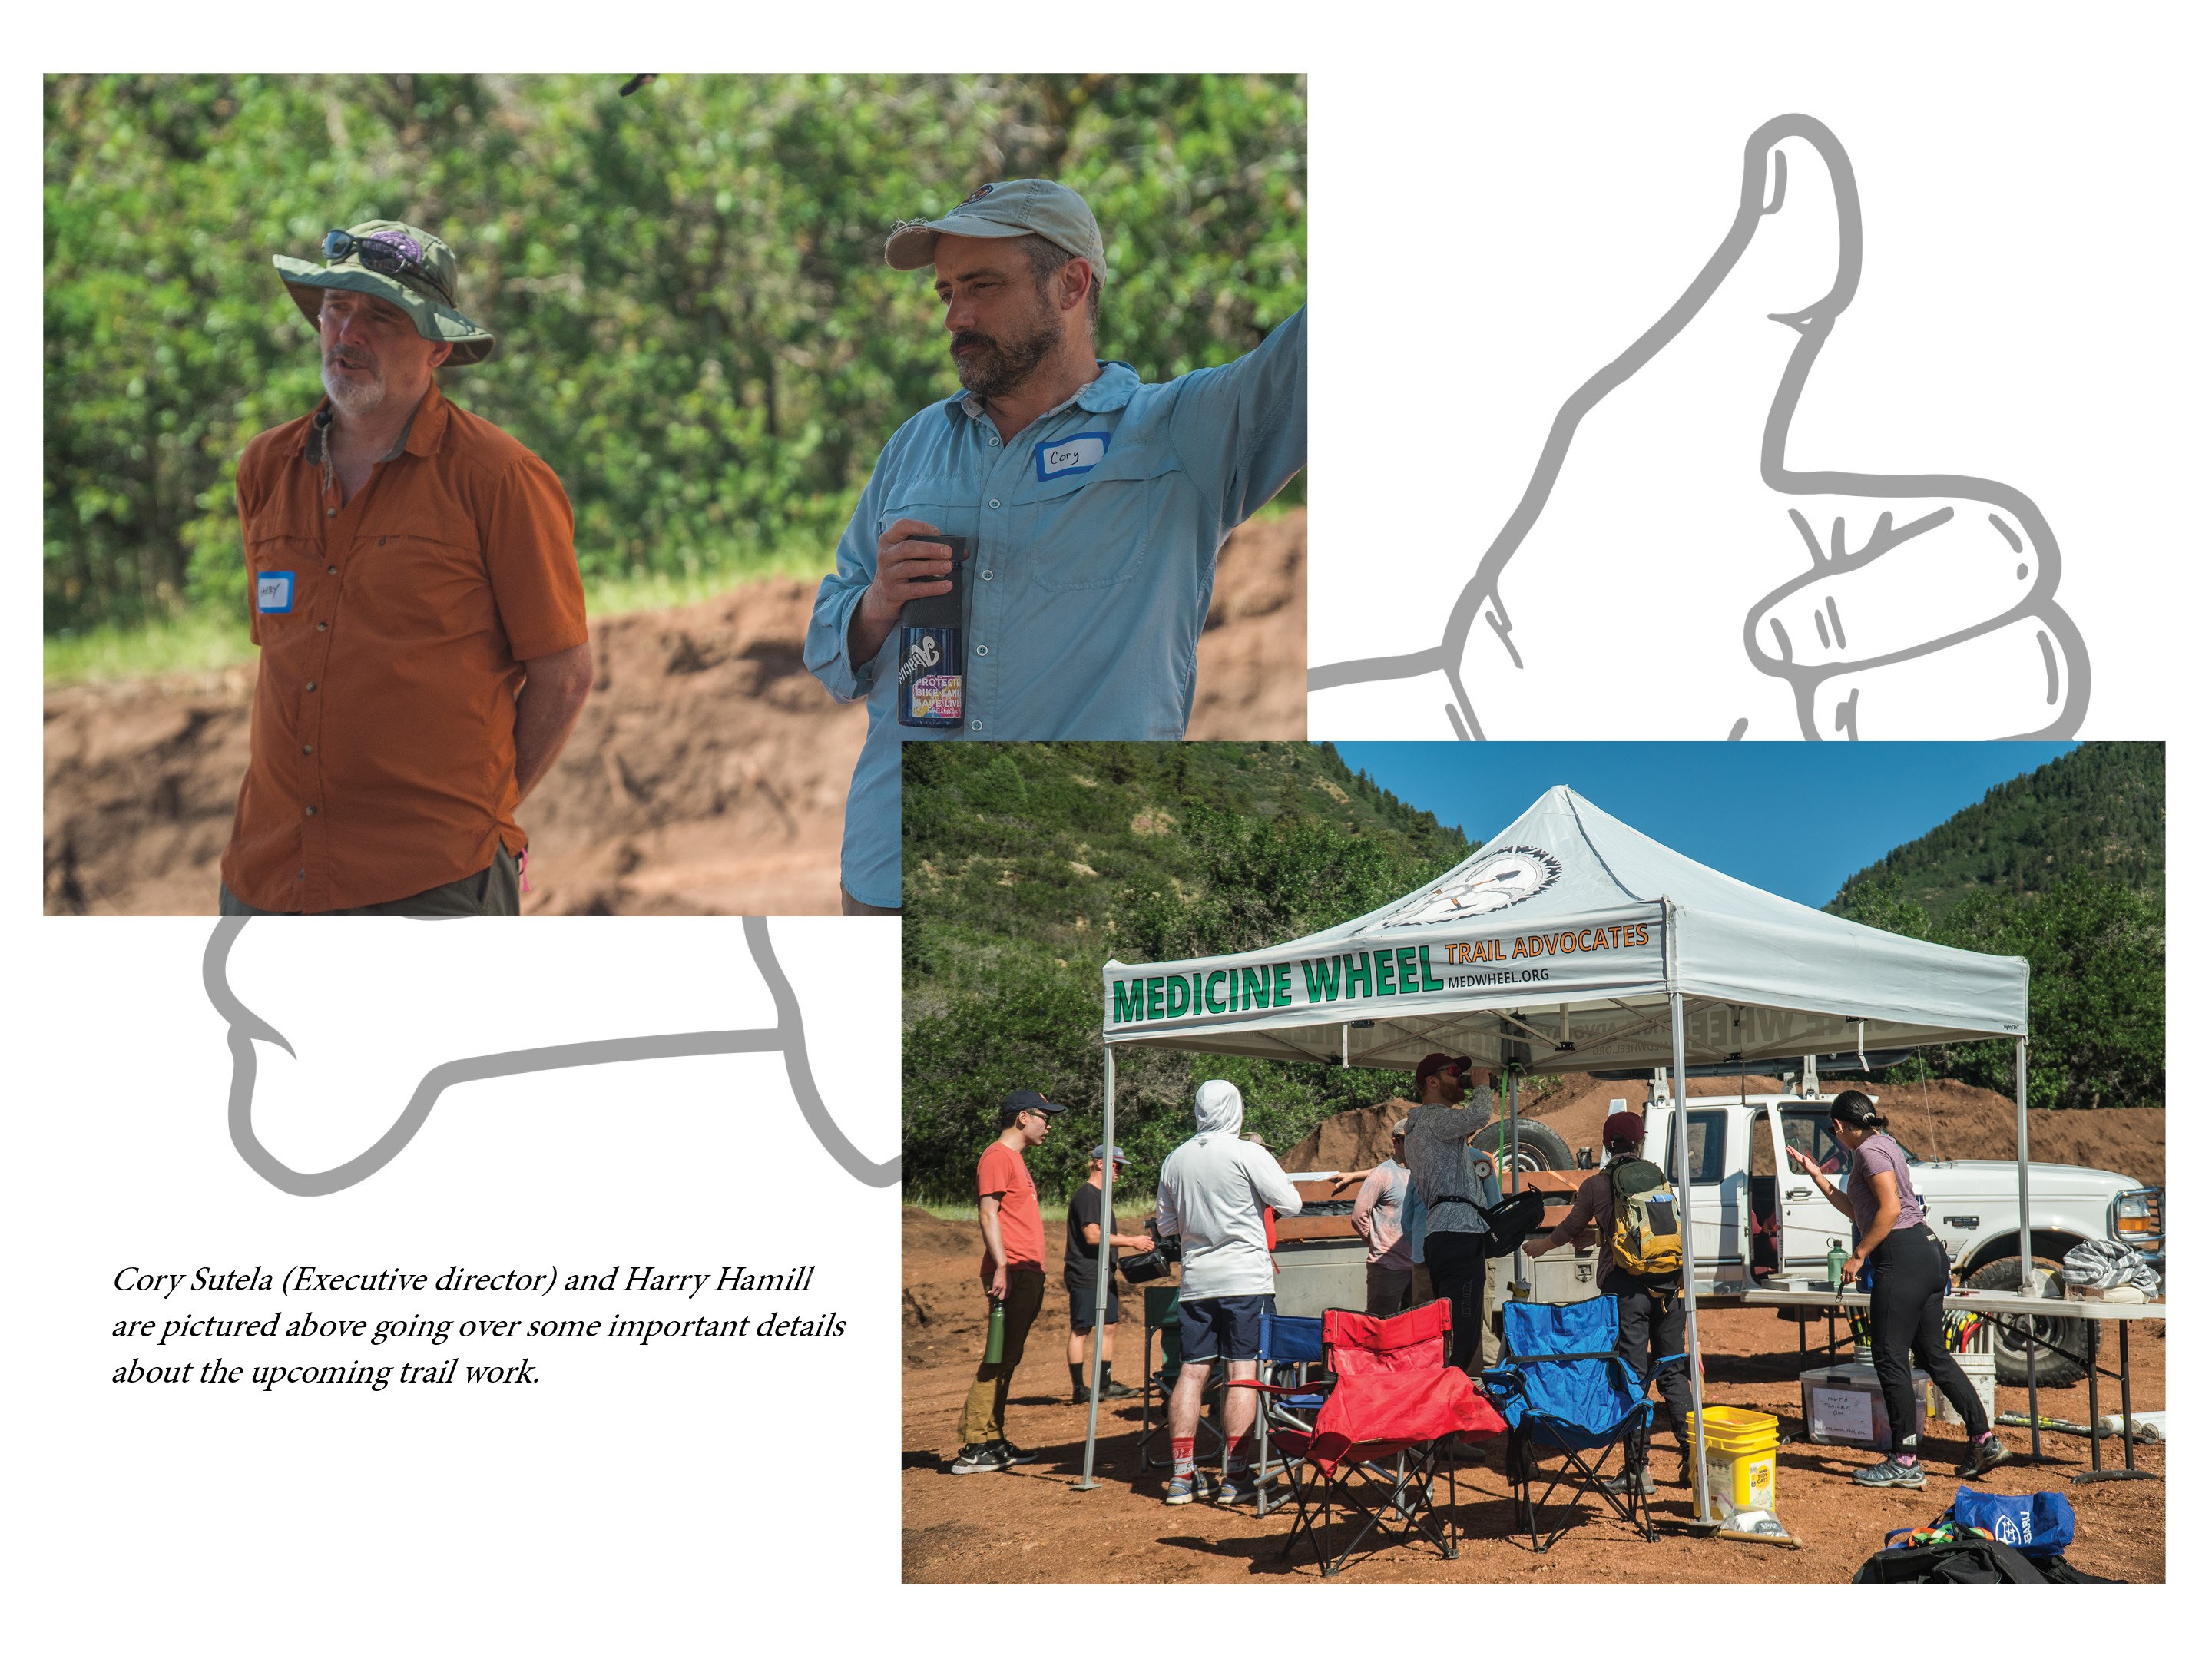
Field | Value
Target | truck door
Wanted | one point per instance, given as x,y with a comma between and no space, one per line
1808,1220
1716,1193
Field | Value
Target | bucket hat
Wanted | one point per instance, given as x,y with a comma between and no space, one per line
1015,207
423,287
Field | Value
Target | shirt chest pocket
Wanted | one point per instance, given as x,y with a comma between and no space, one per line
1094,529
423,582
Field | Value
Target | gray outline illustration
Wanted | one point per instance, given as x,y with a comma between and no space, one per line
2058,634
788,1036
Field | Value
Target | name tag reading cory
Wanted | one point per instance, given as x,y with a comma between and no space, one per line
1057,456
273,592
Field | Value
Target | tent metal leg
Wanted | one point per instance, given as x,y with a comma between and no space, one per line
2026,1243
1099,1322
1682,1090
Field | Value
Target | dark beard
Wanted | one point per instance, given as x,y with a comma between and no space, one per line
1002,366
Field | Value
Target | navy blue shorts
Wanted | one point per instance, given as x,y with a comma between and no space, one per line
1223,1327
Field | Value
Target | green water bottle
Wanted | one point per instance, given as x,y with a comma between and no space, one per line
1836,1258
994,1345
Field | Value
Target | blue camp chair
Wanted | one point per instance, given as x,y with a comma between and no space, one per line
1290,1356
1561,1388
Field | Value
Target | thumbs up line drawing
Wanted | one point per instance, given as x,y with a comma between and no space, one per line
1929,608
788,1037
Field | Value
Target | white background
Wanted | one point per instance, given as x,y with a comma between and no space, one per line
2032,181
1526,201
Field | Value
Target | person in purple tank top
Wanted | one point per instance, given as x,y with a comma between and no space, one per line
1890,1233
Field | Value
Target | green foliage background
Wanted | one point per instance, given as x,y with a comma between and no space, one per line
697,329
1028,866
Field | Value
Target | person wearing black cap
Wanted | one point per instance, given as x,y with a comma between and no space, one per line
1441,1166
1653,1337
1911,1272
1080,1275
1012,1275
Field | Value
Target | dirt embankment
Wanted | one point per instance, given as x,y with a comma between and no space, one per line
706,775
1941,1119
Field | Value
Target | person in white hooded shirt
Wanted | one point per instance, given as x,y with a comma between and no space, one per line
1212,1190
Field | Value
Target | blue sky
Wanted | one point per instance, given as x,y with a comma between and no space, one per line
1795,818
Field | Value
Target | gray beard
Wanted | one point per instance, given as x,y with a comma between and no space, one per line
354,399
1002,368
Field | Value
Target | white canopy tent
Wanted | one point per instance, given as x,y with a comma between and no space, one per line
1570,942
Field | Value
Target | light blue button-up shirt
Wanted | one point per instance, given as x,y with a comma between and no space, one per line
1092,568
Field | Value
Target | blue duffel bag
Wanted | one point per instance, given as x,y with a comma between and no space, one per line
2034,1523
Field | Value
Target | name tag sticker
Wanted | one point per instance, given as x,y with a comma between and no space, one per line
1057,457
273,592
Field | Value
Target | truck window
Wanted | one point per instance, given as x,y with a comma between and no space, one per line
1809,1133
1708,1148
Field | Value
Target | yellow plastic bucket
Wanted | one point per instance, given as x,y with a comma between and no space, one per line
1740,1447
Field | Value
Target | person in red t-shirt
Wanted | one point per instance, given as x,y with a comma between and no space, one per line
1012,1275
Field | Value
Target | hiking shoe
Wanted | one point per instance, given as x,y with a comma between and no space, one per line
1186,1488
1013,1454
979,1460
1890,1473
1114,1390
1983,1456
1618,1484
1237,1488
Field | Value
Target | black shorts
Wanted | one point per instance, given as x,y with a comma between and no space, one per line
1083,1302
1222,1327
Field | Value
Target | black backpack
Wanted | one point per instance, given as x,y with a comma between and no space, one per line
1969,1561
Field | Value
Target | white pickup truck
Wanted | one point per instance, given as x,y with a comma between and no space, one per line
1748,1228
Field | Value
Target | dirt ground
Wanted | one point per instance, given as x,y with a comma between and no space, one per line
706,775
1031,1525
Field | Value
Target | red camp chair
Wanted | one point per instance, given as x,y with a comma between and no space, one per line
1391,1406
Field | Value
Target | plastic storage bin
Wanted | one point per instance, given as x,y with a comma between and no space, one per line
1844,1406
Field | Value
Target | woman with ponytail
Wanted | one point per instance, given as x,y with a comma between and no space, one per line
1911,1272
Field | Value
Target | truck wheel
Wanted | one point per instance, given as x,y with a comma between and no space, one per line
2076,1338
1540,1147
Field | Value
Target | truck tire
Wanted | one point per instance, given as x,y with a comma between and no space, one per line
1541,1148
2075,1339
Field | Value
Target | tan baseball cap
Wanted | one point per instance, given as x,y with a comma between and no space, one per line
1015,207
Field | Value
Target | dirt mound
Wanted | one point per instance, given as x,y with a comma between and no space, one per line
1941,1119
1358,1140
921,1230
706,775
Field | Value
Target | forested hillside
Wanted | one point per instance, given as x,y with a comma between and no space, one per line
2100,809
1028,866
2065,867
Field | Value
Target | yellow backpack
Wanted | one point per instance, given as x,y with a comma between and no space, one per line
1647,1225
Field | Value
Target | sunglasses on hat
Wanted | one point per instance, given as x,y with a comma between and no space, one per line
384,255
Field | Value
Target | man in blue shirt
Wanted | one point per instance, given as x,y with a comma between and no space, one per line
1093,504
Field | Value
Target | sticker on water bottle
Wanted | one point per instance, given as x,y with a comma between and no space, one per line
929,678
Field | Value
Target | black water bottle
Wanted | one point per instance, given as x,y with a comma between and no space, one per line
932,682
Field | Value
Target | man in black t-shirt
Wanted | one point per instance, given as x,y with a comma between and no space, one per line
1080,1275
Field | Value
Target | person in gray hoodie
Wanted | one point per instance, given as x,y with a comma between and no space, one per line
1213,1190
1439,1154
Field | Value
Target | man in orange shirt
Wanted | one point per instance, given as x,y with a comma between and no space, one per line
416,601
1012,1275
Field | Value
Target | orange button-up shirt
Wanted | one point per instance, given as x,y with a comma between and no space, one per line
393,629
